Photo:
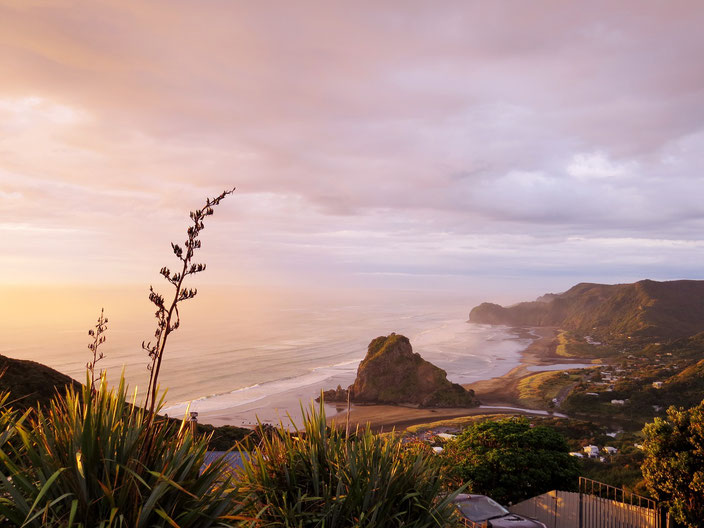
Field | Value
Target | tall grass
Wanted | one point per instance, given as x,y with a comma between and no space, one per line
80,462
321,478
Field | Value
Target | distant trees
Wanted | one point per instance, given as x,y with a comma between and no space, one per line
674,463
510,460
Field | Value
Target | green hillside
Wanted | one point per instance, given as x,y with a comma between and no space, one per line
645,309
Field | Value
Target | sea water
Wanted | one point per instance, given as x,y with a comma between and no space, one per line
278,351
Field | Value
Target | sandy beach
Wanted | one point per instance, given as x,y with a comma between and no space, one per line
500,391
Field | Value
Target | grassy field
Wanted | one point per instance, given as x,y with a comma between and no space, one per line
571,346
538,390
454,423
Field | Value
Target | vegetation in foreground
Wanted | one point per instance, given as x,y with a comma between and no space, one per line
91,459
674,464
322,478
511,460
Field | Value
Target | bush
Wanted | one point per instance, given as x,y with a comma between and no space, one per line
321,478
673,468
90,460
510,460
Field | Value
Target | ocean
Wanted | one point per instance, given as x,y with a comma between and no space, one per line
247,356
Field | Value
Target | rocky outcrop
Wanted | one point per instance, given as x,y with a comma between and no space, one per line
391,373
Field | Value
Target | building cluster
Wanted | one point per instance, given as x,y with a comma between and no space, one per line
592,451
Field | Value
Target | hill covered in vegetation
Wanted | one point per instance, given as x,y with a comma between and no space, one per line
645,309
30,383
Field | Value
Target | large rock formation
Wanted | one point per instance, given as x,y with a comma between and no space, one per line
647,308
392,373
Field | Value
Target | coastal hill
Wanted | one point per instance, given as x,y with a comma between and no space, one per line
391,373
30,383
647,309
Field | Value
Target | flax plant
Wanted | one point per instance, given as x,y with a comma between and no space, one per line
325,479
77,463
98,338
167,313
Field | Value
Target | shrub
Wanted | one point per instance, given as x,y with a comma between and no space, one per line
673,468
510,460
321,478
90,460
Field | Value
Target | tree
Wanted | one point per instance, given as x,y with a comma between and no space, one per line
510,460
674,462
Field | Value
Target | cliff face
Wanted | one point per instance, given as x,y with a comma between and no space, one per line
646,308
392,373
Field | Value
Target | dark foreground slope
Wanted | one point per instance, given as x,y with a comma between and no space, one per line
30,383
647,308
392,373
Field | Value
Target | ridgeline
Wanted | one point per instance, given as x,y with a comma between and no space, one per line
645,309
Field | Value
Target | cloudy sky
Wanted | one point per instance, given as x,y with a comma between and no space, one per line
398,144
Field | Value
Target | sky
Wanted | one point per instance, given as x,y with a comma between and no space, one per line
506,147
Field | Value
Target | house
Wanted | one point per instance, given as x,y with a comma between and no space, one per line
592,451
610,450
446,436
576,454
618,402
657,384
437,450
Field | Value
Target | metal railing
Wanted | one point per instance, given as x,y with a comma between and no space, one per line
606,491
605,505
472,524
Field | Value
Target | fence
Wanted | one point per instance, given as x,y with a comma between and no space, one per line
596,505
472,524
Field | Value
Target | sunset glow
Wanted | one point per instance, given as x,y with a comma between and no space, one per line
396,146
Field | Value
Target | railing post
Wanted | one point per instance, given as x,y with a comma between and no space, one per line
193,423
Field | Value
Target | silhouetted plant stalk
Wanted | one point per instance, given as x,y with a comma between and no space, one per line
167,315
98,339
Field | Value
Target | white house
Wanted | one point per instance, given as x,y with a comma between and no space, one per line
657,384
610,450
576,454
592,451
617,402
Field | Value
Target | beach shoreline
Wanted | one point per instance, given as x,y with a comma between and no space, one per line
467,352
499,393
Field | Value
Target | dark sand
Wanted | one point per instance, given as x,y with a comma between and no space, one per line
499,391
